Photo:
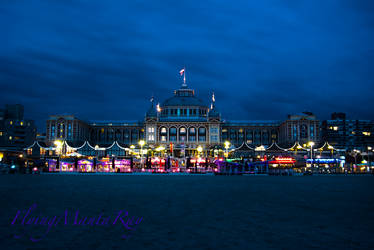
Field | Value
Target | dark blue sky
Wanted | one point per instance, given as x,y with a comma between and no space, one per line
263,59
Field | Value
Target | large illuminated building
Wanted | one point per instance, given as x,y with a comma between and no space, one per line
348,134
16,132
182,123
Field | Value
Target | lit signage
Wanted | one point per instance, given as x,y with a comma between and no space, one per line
322,160
283,160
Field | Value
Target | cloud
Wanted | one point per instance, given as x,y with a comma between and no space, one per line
263,60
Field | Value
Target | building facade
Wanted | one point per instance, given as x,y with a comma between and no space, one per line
15,131
348,134
182,123
301,128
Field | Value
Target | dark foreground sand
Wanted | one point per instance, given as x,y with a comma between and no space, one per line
195,212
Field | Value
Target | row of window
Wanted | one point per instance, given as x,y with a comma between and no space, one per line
173,138
182,130
20,123
184,112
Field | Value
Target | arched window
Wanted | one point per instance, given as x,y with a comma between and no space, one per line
110,135
126,136
257,139
241,135
202,134
163,134
233,133
274,136
182,134
249,136
134,136
192,134
173,134
265,137
93,135
102,134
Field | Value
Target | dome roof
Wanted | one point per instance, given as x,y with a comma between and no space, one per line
183,101
213,113
184,97
151,112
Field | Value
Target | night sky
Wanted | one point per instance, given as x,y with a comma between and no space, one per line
103,60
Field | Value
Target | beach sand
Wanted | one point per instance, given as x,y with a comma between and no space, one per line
195,212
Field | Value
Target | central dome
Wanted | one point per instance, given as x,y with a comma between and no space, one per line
184,105
183,97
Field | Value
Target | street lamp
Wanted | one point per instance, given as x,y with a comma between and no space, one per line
311,144
227,146
355,155
368,153
58,144
199,149
141,143
332,150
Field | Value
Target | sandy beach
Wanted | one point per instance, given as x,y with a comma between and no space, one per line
192,212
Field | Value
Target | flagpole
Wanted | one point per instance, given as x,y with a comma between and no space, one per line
184,76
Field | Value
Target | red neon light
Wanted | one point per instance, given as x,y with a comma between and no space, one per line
283,160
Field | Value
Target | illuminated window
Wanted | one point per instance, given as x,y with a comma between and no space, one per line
11,122
353,132
366,133
173,131
215,130
163,130
335,128
151,129
29,151
1,133
10,138
21,123
214,138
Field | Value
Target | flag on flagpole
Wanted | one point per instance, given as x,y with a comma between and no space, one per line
181,72
158,107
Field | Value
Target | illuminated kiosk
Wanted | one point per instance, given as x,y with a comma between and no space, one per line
282,166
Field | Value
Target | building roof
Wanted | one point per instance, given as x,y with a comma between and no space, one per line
183,101
151,112
115,122
183,97
252,123
213,113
